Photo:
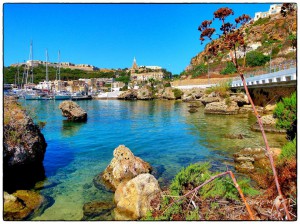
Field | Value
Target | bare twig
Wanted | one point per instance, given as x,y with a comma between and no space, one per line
210,180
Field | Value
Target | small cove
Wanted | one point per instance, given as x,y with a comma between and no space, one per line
162,133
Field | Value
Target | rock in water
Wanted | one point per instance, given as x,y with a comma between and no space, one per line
129,95
269,124
134,198
168,94
98,210
21,204
123,167
24,147
72,111
24,144
221,108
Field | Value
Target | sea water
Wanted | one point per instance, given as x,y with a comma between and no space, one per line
162,133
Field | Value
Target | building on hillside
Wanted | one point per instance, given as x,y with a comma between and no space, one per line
144,73
274,9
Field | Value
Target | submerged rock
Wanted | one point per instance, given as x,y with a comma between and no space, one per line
234,136
21,204
98,211
269,125
221,108
123,167
193,110
134,198
72,111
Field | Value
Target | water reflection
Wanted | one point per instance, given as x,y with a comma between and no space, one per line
70,128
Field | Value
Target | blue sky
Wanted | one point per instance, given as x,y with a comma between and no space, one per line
110,35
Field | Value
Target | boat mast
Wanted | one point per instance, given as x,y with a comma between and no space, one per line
47,78
31,60
59,70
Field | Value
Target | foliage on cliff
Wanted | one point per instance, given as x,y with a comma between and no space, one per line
275,34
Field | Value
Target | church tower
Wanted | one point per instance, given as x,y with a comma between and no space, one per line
134,65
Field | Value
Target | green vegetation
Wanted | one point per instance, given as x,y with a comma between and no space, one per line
199,70
261,21
289,151
229,69
39,73
177,93
286,113
222,89
256,58
191,177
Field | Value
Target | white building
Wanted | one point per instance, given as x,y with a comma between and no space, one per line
274,9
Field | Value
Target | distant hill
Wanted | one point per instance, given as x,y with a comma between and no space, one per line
271,33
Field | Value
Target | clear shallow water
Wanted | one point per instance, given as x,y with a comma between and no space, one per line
162,133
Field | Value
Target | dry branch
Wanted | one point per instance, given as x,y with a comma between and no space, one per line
210,180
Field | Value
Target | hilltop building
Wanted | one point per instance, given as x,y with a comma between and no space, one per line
144,73
274,9
35,63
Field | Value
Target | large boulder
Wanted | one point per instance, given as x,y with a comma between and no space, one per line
21,204
192,94
222,107
134,198
168,94
123,167
23,144
72,111
128,95
210,98
145,93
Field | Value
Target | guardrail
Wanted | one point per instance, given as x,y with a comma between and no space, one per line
279,76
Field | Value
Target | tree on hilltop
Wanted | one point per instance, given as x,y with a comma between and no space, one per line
232,38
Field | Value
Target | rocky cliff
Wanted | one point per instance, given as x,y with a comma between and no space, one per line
24,146
269,34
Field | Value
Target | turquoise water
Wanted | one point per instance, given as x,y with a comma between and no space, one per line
162,133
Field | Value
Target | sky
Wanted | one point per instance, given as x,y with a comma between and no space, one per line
110,35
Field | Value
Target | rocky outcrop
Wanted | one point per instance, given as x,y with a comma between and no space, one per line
241,99
72,111
24,144
221,108
168,94
145,93
210,98
134,198
248,160
128,95
98,211
192,94
269,124
248,109
123,167
21,204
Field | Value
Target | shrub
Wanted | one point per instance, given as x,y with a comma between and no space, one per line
255,58
177,93
288,151
286,112
199,70
222,89
230,68
195,174
261,21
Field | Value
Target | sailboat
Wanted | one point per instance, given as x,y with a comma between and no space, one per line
60,94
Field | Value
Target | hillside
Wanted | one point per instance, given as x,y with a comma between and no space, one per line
273,34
